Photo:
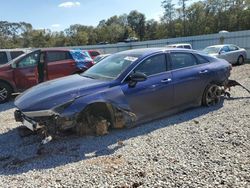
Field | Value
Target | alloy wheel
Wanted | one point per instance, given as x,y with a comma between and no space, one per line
241,60
3,94
213,95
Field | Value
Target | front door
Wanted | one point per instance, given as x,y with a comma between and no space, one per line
151,98
25,72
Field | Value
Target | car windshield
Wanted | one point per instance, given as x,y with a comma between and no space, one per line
212,50
110,67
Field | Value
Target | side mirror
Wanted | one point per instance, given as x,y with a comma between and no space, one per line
136,77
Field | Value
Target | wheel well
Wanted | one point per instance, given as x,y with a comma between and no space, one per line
98,109
7,83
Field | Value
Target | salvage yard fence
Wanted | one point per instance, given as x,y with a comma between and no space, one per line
240,38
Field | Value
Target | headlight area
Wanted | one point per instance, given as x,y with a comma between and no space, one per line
49,121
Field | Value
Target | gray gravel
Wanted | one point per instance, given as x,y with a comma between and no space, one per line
202,147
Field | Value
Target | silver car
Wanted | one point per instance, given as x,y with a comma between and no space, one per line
232,53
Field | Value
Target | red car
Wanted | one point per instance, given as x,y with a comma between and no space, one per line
40,65
93,53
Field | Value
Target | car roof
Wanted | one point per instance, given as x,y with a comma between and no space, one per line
59,49
15,49
179,44
222,45
148,51
55,49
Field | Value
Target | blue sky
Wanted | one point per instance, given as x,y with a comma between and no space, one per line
59,14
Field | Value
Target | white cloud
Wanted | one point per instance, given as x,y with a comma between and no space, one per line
69,4
55,25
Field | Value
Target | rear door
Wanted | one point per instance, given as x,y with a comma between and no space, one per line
59,64
234,53
190,77
25,72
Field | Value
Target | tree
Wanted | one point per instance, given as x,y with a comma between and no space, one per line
136,21
169,14
183,10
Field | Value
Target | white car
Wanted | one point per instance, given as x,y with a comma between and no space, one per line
7,55
230,52
184,45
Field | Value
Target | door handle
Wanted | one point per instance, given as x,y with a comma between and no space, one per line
166,80
203,72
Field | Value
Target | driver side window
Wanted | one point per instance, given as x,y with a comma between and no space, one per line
29,61
153,65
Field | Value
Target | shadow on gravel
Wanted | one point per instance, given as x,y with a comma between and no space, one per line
20,155
6,106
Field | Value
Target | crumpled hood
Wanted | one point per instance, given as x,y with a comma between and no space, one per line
53,93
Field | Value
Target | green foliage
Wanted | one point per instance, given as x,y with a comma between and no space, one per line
181,19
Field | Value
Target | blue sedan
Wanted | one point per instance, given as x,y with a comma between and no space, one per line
123,90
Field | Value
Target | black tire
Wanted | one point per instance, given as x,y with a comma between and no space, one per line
240,60
212,95
5,92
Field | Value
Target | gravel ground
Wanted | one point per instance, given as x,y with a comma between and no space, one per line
202,147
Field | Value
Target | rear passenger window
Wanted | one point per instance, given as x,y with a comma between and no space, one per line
153,65
15,54
57,56
3,58
182,60
233,48
187,46
201,60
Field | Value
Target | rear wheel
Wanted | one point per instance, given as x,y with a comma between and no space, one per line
241,60
5,92
211,95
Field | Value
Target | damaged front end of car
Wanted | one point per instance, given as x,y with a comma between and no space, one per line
94,117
